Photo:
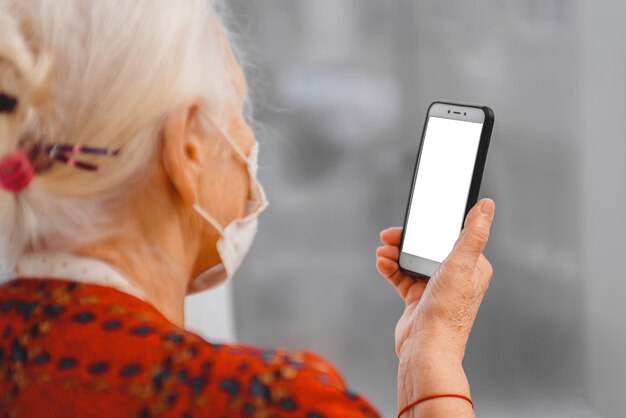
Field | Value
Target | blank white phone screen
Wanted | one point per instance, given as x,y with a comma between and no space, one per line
442,187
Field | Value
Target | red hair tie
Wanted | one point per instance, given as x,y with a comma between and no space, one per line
16,172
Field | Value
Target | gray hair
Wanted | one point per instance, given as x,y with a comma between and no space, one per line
104,74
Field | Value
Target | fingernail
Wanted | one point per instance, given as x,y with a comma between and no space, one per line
488,207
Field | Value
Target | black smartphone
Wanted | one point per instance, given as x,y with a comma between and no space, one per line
446,182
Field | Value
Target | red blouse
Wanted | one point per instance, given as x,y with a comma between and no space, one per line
77,350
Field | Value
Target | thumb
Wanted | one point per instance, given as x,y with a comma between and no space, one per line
475,234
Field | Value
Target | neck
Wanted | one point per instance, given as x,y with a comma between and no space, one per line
160,274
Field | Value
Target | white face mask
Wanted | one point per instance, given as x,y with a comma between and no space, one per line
236,238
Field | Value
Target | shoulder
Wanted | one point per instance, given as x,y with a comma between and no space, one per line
255,381
82,345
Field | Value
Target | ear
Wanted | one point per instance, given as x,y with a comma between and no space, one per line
182,151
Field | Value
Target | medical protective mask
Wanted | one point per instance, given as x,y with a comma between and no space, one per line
236,237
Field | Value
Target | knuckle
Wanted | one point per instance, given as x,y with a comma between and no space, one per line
480,233
485,267
485,270
489,270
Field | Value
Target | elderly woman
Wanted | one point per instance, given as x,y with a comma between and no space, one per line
127,181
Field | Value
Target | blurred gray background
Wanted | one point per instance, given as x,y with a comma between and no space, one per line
340,90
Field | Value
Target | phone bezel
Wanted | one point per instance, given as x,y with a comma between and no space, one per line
423,267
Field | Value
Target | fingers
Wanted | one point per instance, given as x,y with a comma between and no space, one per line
388,251
386,267
389,269
391,236
474,237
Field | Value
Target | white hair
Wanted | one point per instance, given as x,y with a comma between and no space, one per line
103,73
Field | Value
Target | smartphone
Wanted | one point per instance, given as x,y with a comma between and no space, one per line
446,182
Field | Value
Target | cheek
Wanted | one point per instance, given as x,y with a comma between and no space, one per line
240,131
245,136
224,186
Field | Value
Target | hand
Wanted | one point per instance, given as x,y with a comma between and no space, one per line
440,312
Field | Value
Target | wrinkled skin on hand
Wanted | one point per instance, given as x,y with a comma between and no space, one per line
440,311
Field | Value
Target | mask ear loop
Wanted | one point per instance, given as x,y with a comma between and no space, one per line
243,156
209,218
197,206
